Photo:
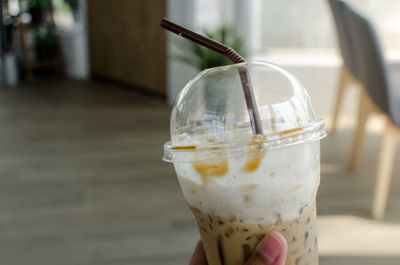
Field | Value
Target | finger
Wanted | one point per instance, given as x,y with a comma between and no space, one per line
272,250
199,256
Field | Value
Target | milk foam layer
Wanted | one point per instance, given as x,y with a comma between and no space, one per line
285,183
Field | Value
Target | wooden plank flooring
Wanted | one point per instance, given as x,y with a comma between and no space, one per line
82,181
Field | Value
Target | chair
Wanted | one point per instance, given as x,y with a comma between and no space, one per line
378,95
347,70
347,77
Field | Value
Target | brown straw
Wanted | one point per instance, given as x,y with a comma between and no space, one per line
231,55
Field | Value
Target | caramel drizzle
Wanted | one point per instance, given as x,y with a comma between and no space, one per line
255,154
291,131
188,147
211,169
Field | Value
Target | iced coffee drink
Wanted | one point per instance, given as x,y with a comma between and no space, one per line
240,186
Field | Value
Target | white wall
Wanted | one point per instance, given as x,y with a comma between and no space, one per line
74,42
181,12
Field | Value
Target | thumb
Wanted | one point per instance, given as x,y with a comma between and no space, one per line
271,250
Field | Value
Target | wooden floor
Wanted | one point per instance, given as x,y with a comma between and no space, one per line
82,181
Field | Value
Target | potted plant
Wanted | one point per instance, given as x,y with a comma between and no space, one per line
36,9
45,42
203,58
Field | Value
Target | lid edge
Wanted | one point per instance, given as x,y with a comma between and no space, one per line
312,132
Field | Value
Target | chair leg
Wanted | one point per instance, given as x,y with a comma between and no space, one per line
385,168
344,79
365,108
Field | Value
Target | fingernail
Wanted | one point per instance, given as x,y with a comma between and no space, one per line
271,246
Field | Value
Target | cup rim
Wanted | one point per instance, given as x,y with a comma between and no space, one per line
311,132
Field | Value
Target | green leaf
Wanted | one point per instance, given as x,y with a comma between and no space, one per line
201,57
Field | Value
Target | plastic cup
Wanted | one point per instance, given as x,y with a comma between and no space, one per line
240,186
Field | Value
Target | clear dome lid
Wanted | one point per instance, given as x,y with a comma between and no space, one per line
210,113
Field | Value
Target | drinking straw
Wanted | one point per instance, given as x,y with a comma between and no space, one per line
231,55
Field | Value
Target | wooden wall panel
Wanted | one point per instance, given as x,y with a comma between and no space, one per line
127,43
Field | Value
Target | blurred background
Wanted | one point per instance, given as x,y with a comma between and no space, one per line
85,98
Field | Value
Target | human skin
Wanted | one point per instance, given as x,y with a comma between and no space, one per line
272,250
